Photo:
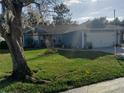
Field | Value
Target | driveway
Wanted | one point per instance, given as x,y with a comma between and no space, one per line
113,86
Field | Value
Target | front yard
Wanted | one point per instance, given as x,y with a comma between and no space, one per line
65,70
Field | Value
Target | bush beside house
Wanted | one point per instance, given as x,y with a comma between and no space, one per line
3,45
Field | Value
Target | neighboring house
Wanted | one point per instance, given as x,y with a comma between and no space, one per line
76,36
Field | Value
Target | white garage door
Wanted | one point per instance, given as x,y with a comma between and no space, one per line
101,39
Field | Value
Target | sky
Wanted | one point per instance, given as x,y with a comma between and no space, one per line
82,10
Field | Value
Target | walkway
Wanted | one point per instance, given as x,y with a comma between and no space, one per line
113,86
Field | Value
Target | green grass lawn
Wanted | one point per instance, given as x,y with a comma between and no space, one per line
65,70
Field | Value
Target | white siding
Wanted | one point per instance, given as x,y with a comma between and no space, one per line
101,39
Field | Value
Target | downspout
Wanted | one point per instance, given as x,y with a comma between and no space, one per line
85,40
116,28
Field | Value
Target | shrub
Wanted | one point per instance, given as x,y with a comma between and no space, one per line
50,51
3,45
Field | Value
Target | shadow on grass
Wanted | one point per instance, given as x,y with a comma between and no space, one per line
30,49
74,54
6,82
121,62
37,56
34,58
82,54
45,54
4,51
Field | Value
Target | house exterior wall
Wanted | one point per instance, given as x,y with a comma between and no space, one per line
76,39
27,42
36,41
33,41
71,40
101,38
83,39
122,37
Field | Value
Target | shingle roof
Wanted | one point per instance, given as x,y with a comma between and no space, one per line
62,29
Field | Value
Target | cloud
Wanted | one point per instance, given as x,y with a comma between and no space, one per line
72,2
83,19
112,18
100,11
90,1
95,13
107,8
94,0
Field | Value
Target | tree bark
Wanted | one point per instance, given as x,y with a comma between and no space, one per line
14,41
20,67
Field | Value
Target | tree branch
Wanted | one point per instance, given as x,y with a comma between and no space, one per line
4,29
27,2
1,1
8,4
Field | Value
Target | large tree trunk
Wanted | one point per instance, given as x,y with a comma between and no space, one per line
20,68
14,41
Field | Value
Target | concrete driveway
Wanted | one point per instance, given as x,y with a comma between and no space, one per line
113,86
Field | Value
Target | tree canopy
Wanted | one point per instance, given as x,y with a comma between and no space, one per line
102,22
63,15
97,22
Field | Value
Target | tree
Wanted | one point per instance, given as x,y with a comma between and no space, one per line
11,30
32,17
122,23
97,22
63,15
116,21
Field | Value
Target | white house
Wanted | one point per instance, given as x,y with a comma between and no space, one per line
84,37
80,36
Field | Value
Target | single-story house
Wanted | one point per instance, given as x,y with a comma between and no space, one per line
75,36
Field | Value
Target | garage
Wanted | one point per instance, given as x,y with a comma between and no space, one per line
99,39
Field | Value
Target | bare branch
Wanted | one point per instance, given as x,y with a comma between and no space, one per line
1,1
8,4
4,30
27,2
